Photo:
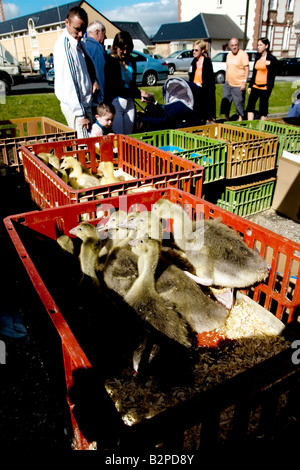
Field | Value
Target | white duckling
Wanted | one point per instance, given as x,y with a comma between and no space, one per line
89,250
107,173
82,179
53,162
144,224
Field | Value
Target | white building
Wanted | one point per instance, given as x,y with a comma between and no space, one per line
277,19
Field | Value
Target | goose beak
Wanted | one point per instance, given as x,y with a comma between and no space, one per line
73,230
133,242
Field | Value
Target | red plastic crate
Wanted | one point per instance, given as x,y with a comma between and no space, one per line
279,294
25,131
148,165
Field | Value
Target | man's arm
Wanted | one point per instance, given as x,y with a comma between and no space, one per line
246,69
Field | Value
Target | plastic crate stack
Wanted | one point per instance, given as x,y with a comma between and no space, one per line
17,132
288,136
251,156
245,391
156,172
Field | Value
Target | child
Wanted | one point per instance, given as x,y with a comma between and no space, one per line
104,119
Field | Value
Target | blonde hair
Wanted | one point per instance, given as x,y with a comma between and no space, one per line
202,44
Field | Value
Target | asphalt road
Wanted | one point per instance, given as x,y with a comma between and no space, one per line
36,84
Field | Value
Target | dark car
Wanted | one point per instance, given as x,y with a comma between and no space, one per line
289,66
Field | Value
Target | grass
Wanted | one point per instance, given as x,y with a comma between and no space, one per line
22,106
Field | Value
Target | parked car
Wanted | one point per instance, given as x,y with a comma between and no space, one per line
36,64
158,56
148,70
10,71
289,66
180,60
219,65
50,77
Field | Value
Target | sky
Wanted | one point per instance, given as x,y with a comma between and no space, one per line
151,14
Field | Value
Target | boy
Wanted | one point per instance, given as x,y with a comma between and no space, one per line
104,118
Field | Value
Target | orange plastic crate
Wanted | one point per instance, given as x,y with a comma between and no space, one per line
279,294
17,132
149,167
248,151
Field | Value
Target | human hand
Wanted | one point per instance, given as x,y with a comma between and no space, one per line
85,123
249,90
95,87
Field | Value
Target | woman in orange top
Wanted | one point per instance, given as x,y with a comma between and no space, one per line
203,76
262,80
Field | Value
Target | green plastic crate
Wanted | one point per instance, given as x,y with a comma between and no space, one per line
248,151
249,198
207,152
288,136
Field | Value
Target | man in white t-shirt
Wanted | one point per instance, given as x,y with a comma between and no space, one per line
237,71
74,73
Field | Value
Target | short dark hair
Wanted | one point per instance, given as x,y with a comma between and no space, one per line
121,39
104,108
78,11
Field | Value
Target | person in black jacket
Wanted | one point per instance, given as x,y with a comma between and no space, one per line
202,75
262,80
120,83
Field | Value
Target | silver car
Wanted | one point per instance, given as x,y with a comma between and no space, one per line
180,60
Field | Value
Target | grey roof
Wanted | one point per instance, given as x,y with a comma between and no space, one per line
41,18
193,29
222,26
135,29
203,26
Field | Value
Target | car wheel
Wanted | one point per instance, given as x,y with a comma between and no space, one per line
171,69
220,77
150,79
6,85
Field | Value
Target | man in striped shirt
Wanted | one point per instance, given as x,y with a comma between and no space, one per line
74,73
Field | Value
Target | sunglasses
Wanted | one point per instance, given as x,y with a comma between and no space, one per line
196,50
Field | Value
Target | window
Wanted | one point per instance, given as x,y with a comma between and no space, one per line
273,4
31,27
270,34
219,57
290,5
286,38
138,57
219,3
